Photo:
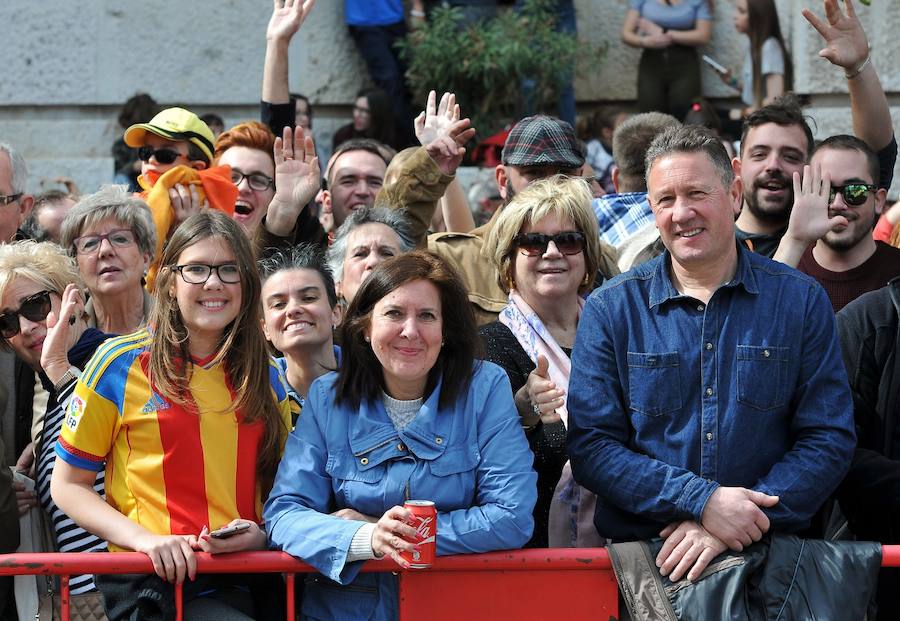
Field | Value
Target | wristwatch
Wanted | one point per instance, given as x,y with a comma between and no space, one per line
72,373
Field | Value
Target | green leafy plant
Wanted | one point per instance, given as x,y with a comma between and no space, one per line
486,63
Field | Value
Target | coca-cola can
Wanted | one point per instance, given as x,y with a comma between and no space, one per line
424,520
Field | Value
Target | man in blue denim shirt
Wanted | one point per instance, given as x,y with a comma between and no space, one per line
708,401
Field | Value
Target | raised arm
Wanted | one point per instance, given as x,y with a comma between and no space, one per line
423,179
287,17
847,47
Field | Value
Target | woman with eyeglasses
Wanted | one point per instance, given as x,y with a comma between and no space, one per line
545,245
276,179
112,237
42,320
188,417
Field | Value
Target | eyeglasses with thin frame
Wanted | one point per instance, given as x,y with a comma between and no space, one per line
854,194
535,244
6,199
199,273
256,180
163,155
35,308
89,244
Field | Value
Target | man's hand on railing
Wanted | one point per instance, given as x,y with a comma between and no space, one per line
688,549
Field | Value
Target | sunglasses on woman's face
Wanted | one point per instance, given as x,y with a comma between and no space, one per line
34,308
163,156
855,194
535,244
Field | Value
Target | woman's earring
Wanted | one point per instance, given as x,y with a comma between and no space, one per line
368,340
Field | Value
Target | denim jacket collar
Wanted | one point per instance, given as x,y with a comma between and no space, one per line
662,289
425,436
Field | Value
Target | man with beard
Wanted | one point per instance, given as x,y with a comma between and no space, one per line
776,141
835,210
538,147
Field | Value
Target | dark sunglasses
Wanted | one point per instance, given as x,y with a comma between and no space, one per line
535,244
34,308
855,194
163,156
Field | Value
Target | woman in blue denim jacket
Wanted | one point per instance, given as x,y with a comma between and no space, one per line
410,415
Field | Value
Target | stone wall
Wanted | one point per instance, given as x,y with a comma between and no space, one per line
68,66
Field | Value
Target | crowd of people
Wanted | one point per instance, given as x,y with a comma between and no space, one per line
242,347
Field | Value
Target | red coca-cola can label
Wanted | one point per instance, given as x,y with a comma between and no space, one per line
424,520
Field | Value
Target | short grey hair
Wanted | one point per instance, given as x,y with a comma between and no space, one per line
691,139
392,218
19,177
111,201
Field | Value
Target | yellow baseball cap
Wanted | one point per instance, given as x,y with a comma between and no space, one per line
174,124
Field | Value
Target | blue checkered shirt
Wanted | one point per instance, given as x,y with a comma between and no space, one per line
622,215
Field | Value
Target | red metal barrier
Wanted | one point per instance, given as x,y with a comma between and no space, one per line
482,585
571,584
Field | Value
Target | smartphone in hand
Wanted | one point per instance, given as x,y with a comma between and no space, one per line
718,67
228,531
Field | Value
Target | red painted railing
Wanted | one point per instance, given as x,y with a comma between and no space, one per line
559,583
571,584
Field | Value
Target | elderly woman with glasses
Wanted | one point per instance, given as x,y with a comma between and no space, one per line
545,245
42,320
112,237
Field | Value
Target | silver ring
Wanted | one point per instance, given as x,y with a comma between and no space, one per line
535,409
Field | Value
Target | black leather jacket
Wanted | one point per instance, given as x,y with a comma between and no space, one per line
869,329
779,578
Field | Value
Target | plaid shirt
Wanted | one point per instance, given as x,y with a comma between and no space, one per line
622,215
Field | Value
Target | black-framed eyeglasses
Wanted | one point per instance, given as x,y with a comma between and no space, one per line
163,155
535,244
9,198
854,194
198,273
257,180
35,308
89,244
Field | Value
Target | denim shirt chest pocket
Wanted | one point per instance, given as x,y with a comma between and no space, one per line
762,376
654,384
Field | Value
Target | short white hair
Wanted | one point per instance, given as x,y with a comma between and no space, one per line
19,168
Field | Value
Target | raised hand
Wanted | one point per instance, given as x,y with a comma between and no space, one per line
442,133
63,331
688,549
734,516
846,44
297,179
809,216
287,17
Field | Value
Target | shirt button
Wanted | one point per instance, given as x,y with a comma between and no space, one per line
709,436
766,353
701,307
709,346
364,461
439,440
400,447
709,392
